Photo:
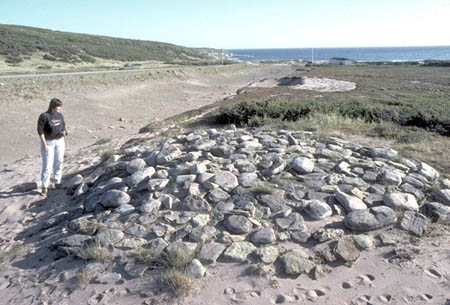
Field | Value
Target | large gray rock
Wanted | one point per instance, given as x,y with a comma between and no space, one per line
296,262
181,179
328,154
317,209
437,211
275,202
402,201
74,182
371,219
181,248
414,222
202,234
195,204
238,224
157,184
350,203
244,166
428,172
109,237
158,245
196,269
109,278
408,188
217,195
346,250
414,182
277,167
364,241
327,234
226,180
443,196
238,251
210,252
248,179
202,145
267,254
293,222
114,198
168,154
393,177
383,152
303,165
150,207
264,236
135,165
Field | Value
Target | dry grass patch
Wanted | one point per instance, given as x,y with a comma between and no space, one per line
178,259
176,278
146,256
82,279
264,188
179,282
95,251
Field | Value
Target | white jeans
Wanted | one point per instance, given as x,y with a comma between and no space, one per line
52,160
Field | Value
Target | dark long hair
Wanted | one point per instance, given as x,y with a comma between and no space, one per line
53,104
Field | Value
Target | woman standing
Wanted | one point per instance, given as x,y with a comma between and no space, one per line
52,129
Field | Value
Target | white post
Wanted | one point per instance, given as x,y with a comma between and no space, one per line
222,56
312,55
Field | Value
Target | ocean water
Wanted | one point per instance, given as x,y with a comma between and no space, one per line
357,54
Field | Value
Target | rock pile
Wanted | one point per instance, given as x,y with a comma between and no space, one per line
238,195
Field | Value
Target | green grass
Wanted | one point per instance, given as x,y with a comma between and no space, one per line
19,42
430,115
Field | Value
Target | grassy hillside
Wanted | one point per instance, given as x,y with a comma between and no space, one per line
18,43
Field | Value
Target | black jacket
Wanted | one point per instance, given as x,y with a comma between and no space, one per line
52,125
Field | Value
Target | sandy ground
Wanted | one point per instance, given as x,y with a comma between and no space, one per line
35,275
107,105
307,83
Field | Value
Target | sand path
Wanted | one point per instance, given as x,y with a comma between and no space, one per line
106,105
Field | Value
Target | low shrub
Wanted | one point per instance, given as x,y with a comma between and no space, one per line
433,116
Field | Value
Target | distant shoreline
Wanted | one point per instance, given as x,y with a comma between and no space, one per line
367,54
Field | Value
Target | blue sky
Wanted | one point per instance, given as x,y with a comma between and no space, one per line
246,23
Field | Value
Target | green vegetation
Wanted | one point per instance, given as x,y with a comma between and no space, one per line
264,188
19,42
430,115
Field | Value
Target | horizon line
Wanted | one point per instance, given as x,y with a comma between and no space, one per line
347,47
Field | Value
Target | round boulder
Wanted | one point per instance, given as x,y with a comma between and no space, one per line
370,219
114,198
238,224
